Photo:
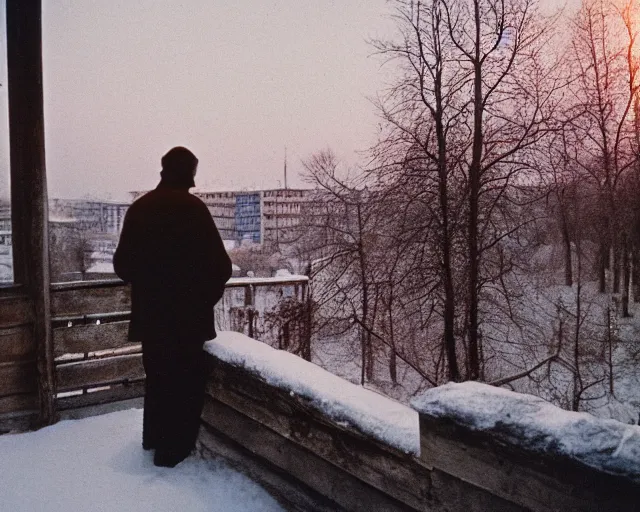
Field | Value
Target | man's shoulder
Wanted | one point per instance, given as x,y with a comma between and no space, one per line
144,198
175,200
196,201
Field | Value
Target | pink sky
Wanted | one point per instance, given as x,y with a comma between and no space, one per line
234,81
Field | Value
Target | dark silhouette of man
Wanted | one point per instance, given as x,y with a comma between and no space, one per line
172,254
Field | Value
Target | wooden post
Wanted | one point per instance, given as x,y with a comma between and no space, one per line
308,320
29,204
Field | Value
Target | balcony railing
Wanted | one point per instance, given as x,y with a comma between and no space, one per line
95,363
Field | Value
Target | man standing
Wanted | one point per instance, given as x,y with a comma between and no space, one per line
172,254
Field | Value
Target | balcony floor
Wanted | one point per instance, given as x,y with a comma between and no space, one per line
97,464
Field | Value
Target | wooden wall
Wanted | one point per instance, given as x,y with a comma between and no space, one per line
311,463
18,382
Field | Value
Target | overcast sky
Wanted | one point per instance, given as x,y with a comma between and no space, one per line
236,82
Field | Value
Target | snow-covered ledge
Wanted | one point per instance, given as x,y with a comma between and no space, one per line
326,444
318,442
341,401
528,450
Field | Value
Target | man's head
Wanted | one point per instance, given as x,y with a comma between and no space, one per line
179,167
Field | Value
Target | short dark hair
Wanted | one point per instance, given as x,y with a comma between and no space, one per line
179,158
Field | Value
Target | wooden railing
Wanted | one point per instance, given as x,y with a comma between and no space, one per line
281,434
94,362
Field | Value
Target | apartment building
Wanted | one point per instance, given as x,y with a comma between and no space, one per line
258,216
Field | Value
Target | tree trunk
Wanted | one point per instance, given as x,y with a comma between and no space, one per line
307,323
617,257
610,349
635,273
393,369
449,313
602,266
626,268
577,379
566,239
474,196
364,298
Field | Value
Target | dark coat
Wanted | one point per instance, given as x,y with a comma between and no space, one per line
172,254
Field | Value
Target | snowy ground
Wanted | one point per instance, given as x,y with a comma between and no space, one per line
97,464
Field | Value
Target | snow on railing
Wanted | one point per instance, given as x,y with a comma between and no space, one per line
536,425
464,447
351,405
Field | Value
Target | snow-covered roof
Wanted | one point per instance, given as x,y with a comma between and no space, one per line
532,423
382,418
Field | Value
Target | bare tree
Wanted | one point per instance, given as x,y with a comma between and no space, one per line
465,151
338,231
603,95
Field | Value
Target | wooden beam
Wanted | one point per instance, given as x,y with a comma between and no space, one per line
336,485
108,396
90,301
29,203
383,467
99,372
18,403
90,338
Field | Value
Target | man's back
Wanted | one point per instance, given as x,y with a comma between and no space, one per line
174,258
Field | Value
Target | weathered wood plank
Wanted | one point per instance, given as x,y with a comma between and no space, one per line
15,311
451,494
18,403
99,372
287,490
90,338
16,378
339,486
17,344
90,301
115,394
519,477
385,468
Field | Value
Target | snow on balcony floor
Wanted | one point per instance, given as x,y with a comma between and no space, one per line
97,464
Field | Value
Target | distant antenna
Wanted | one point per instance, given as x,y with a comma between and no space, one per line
285,167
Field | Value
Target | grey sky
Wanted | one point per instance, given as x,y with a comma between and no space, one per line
235,81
